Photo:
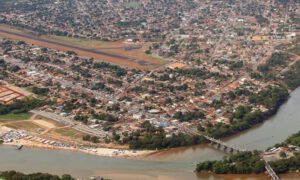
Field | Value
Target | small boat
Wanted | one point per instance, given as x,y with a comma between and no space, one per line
19,147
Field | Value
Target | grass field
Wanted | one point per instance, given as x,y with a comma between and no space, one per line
84,42
24,125
55,123
69,132
14,117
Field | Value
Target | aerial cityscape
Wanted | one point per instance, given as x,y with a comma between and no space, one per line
149,89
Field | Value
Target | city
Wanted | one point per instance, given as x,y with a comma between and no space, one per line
132,79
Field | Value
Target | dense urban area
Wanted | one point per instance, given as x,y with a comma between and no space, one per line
204,70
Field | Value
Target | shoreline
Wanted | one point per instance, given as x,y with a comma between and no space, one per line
16,137
128,153
102,152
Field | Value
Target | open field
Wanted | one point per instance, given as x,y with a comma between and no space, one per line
44,123
47,122
27,121
70,133
113,52
24,125
14,117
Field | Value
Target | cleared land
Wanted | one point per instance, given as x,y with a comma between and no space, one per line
42,127
24,125
27,121
47,121
113,52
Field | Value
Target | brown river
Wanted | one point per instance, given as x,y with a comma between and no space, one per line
177,164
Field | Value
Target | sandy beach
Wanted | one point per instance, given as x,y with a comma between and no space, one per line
107,152
99,151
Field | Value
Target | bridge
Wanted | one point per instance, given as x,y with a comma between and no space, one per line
232,148
225,145
219,143
271,172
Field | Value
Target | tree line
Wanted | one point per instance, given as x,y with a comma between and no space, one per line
244,117
22,106
13,175
151,137
240,163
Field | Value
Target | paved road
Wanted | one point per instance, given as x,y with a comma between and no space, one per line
69,122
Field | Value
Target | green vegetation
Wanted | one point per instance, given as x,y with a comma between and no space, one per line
40,91
286,165
70,132
22,106
100,116
251,162
277,59
156,138
93,139
13,175
83,119
102,86
261,20
10,116
280,59
271,98
24,125
105,117
114,68
126,24
198,73
292,77
188,116
294,139
245,117
240,163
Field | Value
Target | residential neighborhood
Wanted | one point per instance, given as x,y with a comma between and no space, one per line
129,78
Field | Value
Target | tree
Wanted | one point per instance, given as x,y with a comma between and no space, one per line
282,154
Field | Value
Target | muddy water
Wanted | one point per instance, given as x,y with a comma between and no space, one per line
170,164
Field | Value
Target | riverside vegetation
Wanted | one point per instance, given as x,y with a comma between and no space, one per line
13,175
251,162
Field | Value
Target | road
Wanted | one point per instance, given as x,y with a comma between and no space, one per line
69,122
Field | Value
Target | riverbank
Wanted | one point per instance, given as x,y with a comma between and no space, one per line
282,158
176,163
105,152
15,138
